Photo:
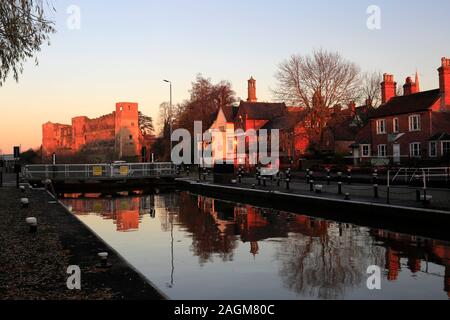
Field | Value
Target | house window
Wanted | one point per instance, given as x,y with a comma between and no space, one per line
414,149
381,126
131,137
445,148
365,150
382,150
414,123
396,125
433,149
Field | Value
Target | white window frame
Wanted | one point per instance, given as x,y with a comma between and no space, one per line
412,150
412,124
396,125
382,147
442,146
363,155
379,127
435,149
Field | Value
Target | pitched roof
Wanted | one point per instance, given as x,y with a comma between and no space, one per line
416,102
262,110
280,123
230,112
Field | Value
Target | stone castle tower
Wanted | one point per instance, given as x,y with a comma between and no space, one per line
127,129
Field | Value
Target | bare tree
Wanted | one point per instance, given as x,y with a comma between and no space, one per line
371,87
24,28
317,82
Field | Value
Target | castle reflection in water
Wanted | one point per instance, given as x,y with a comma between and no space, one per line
314,250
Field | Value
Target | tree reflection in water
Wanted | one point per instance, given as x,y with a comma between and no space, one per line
324,259
315,258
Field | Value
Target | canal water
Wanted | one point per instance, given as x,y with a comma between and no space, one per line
195,247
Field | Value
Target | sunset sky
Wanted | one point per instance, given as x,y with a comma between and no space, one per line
125,49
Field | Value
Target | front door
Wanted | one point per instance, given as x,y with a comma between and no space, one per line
396,153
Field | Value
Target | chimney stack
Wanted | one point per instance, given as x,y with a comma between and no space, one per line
444,84
409,87
388,88
252,90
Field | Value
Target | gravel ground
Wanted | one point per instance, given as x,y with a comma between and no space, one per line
33,266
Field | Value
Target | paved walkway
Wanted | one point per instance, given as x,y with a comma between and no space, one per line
398,195
34,266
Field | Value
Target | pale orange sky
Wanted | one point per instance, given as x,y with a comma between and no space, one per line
124,50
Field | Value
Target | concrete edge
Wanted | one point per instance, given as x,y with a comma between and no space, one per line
301,196
128,264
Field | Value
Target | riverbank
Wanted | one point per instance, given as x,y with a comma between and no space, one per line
34,266
401,215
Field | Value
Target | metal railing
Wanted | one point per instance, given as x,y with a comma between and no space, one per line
411,174
99,171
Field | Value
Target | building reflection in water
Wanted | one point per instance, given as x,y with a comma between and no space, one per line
316,257
126,212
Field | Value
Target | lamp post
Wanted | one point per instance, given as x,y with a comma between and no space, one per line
170,114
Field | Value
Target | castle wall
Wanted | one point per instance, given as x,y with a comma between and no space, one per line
100,129
56,138
117,132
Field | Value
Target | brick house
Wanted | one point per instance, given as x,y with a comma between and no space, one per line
413,126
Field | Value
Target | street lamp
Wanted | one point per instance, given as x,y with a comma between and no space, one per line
170,115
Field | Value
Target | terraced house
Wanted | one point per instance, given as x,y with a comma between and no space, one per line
415,125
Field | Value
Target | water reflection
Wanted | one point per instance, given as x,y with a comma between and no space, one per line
310,258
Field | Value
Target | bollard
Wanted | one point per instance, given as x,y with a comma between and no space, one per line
287,183
318,188
418,196
311,185
328,177
253,186
103,260
32,223
22,189
347,196
240,178
339,176
349,177
375,177
264,181
25,202
375,191
339,187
